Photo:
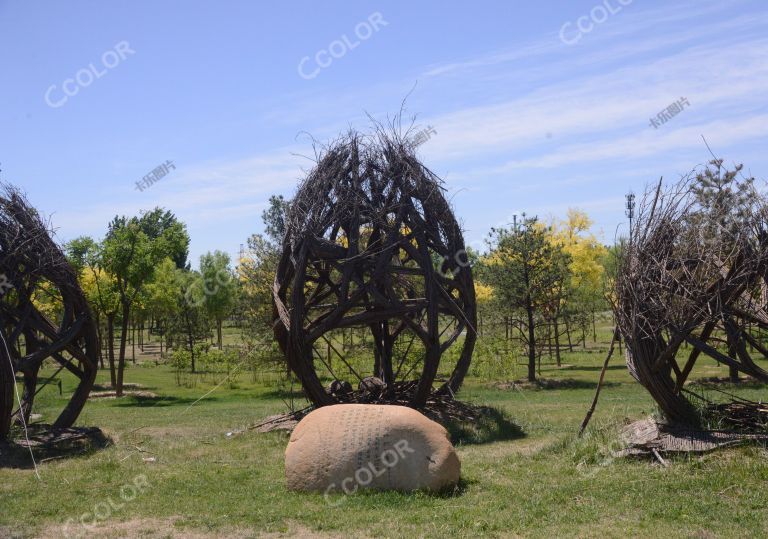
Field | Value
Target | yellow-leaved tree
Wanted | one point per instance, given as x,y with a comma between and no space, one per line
584,296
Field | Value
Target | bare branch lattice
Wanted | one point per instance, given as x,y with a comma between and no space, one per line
36,273
371,242
694,271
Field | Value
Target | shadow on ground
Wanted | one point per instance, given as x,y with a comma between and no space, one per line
47,443
454,491
593,368
551,383
137,401
279,393
126,387
493,425
725,382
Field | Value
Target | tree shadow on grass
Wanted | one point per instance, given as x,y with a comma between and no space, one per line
594,368
278,393
714,382
126,386
552,383
48,443
493,425
135,401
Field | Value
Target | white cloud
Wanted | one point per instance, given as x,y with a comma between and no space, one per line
209,192
606,115
594,99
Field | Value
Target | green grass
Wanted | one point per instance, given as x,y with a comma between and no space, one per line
543,483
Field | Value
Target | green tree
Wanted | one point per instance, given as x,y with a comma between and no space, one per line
256,274
162,296
131,255
525,267
190,325
725,205
79,250
160,223
218,288
100,288
584,292
256,270
275,218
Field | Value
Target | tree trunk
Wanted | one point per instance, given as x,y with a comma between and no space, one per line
219,323
101,339
549,341
123,342
594,327
733,375
557,343
191,342
531,342
111,349
568,334
7,389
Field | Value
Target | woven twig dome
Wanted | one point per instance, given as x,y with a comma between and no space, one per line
371,242
694,272
43,314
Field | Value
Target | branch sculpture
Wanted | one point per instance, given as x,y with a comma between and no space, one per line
43,315
371,242
694,271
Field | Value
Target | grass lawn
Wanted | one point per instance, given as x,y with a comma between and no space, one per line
537,481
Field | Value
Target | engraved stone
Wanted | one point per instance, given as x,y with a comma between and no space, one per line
347,447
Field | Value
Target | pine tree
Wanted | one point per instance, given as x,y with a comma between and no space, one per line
526,270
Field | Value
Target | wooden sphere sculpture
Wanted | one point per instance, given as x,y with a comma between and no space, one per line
43,316
371,242
695,273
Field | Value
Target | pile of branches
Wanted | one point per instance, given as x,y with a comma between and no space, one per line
694,271
33,273
740,415
371,242
439,407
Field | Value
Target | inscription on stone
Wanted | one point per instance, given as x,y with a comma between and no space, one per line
347,447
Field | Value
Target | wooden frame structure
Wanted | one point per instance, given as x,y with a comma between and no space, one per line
693,274
32,266
371,242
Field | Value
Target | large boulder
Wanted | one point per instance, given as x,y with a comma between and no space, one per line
346,447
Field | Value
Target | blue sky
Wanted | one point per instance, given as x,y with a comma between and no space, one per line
529,116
